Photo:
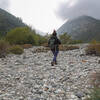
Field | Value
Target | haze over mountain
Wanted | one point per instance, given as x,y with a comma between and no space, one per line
83,28
5,4
8,22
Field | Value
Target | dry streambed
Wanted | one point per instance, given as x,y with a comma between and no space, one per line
31,77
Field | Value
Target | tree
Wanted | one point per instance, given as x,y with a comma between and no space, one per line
22,35
65,38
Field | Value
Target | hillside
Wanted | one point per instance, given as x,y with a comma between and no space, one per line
8,22
83,28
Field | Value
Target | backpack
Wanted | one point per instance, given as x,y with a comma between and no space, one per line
52,43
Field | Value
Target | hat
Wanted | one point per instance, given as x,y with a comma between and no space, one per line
54,33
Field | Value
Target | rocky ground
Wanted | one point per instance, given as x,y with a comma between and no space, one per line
30,76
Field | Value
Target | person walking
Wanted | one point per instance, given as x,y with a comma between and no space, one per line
54,43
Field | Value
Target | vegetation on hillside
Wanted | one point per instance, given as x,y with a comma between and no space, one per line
24,35
8,22
20,35
66,39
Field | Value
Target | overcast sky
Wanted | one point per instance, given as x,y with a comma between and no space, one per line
4,4
37,13
47,15
76,8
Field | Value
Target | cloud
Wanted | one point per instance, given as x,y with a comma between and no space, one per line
4,4
75,8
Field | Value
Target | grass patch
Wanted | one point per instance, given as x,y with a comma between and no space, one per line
93,49
68,47
16,49
95,94
95,82
3,48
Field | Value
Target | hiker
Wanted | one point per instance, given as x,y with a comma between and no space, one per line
54,43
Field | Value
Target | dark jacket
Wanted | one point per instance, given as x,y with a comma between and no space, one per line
57,43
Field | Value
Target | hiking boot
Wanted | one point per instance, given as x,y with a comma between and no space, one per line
52,63
55,62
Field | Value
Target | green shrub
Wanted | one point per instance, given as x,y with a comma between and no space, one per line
40,39
16,49
25,35
22,35
3,48
65,38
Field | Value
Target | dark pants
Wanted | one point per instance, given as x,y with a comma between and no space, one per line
55,53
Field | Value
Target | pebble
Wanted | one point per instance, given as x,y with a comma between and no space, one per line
79,94
30,76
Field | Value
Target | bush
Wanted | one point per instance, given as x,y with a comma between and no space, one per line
65,38
3,48
40,39
16,49
25,35
93,49
22,35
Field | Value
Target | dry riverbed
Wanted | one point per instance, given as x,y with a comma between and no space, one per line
30,76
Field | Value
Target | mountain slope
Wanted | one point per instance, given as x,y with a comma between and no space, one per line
8,22
83,28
